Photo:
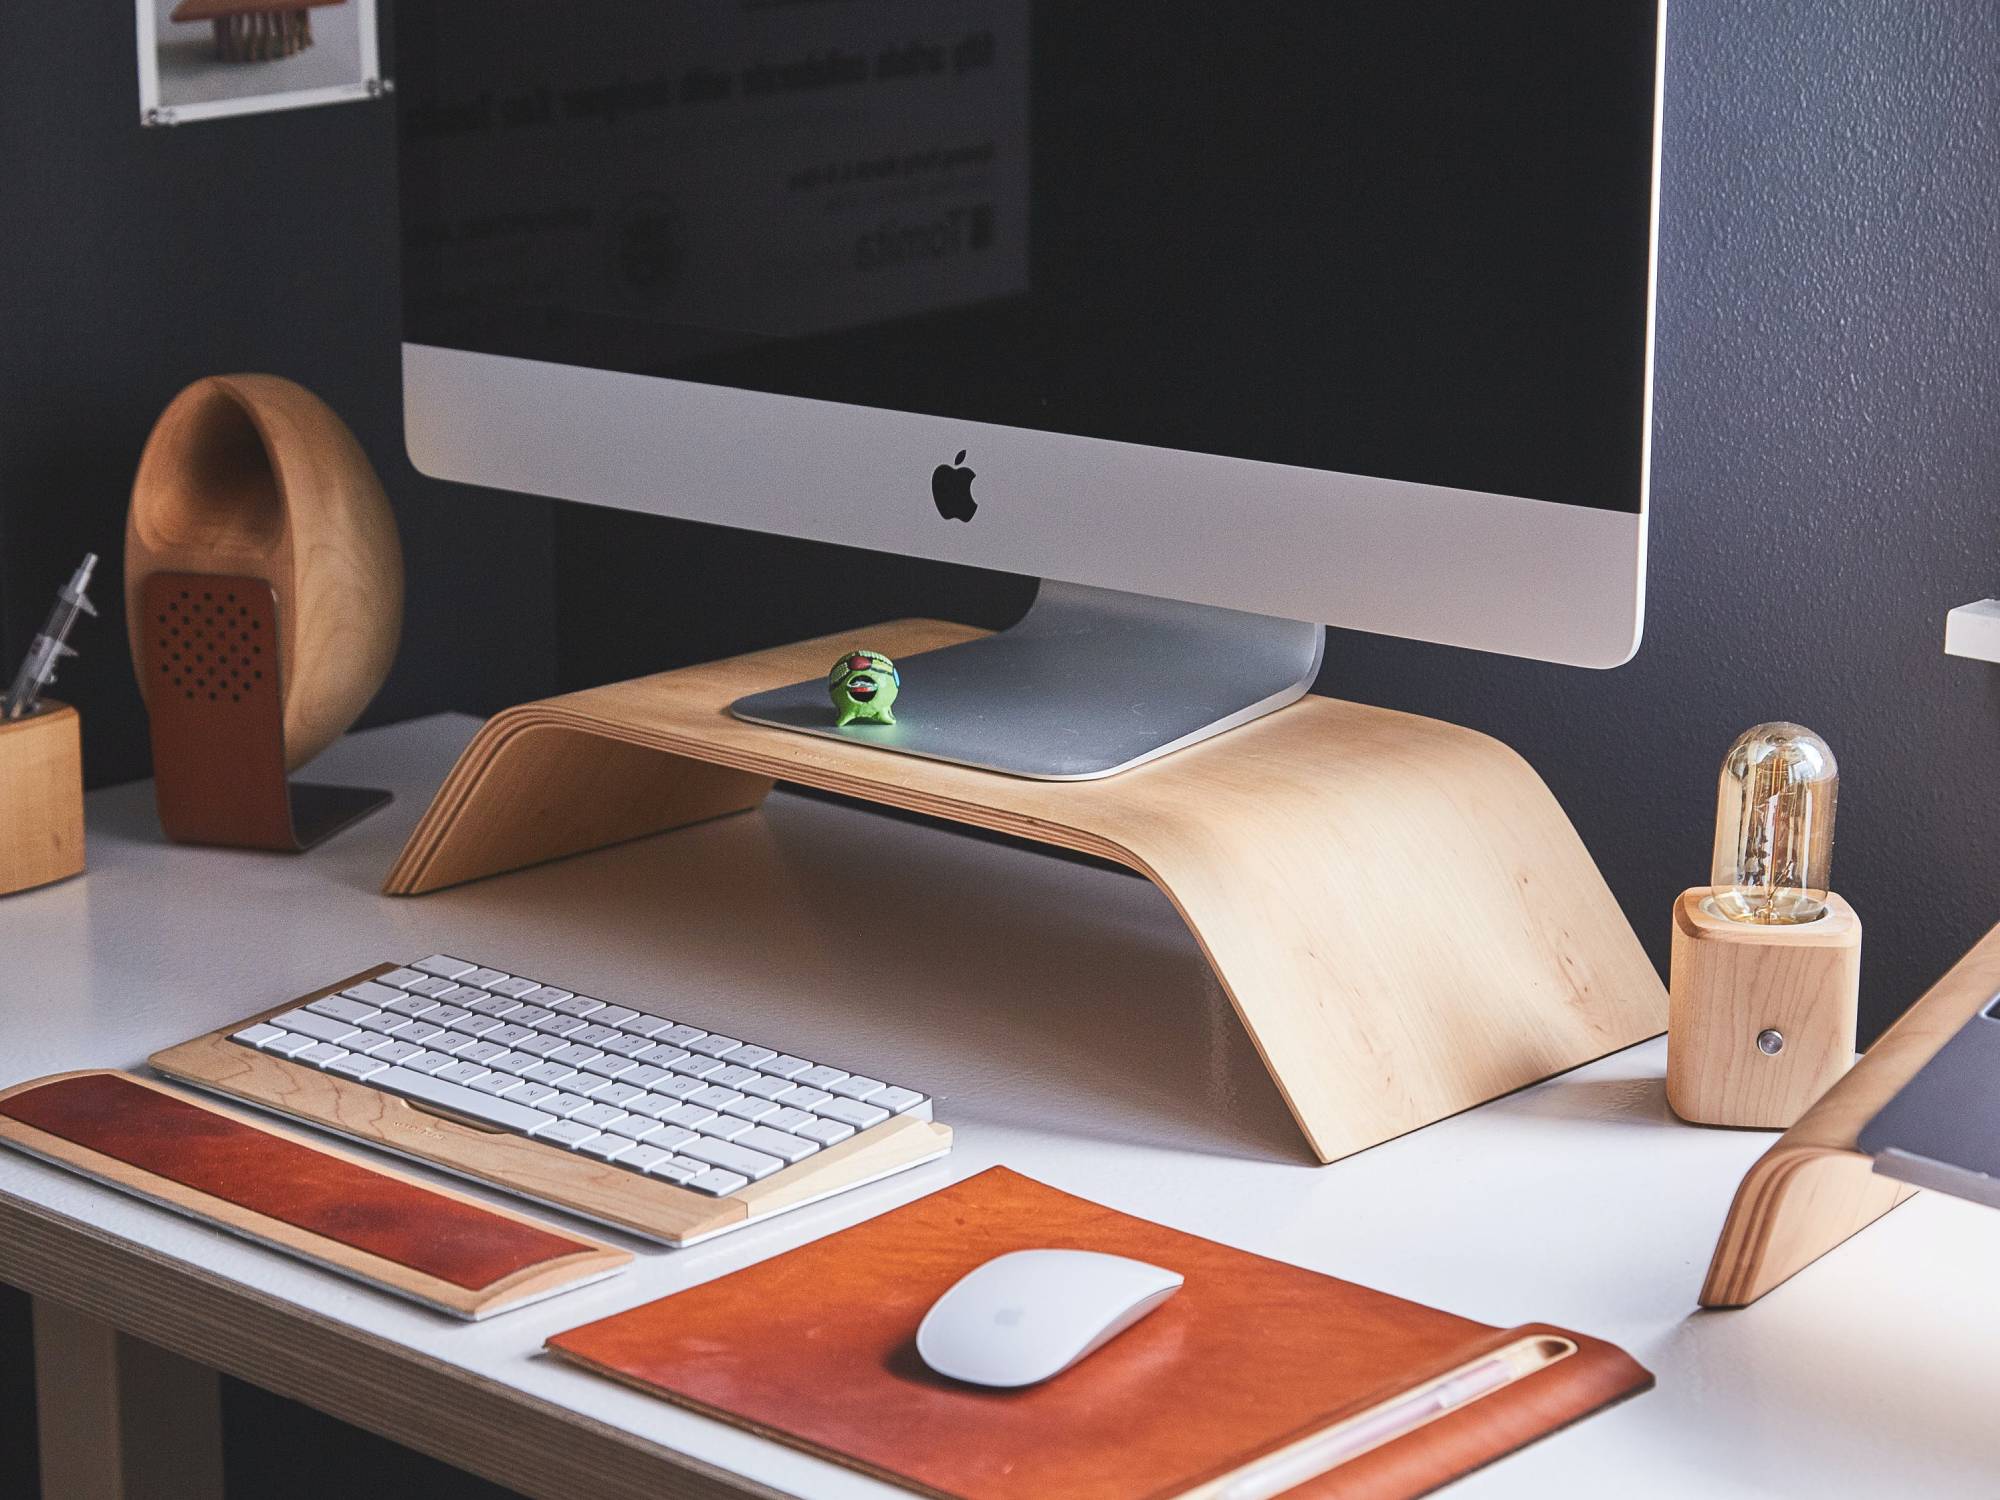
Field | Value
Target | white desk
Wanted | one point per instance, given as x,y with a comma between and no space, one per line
1072,1032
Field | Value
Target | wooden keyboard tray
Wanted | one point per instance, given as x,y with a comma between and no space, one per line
1402,916
1813,1189
597,1190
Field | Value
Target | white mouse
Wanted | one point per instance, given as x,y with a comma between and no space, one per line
1026,1316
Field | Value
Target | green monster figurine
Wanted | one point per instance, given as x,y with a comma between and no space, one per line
864,685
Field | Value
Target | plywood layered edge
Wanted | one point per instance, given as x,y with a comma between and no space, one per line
1398,909
1814,1189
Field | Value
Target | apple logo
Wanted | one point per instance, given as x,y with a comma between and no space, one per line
951,488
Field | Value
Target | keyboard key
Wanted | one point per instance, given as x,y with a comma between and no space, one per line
542,1044
453,1042
482,1052
321,1054
662,1056
798,1096
393,1051
515,989
290,1045
340,1008
748,1056
633,1127
645,1025
574,1055
605,1147
381,1023
671,1137
826,1132
776,1143
750,1109
723,1127
680,1036
365,1042
319,1028
531,1015
594,1035
715,1182
854,1086
474,1025
605,1065
535,1094
446,1015
625,1044
258,1035
586,1084
411,1005
564,1104
695,1067
896,1100
597,1116
618,1094
713,1045
575,1005
852,1112
496,1006
652,1106
613,1015
444,966
546,994
677,1169
566,1133
461,1072
549,1073
560,1025
788,1120
433,987
427,1062
484,978
516,1063
417,1031
354,1065
784,1065
642,1156
693,1116
469,1102
763,1086
729,1076
463,994
401,979
821,1077
510,1035
714,1098
496,1083
368,992
643,1075
733,1158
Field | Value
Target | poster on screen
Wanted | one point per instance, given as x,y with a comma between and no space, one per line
204,59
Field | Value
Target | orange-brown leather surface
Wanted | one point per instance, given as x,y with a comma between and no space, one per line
286,1180
816,1346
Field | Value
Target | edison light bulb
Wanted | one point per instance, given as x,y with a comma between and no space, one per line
1774,826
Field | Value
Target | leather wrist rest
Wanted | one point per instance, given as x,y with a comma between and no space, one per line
276,1177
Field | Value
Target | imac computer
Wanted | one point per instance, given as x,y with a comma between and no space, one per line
1226,320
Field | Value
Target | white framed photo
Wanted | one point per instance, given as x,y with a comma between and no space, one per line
204,59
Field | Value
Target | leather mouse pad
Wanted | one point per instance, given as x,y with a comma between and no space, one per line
816,1347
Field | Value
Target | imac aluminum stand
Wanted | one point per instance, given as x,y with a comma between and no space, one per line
1091,682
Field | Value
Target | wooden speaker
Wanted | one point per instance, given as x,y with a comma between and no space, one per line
264,599
1760,1018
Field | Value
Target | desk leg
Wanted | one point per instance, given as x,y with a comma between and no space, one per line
120,1419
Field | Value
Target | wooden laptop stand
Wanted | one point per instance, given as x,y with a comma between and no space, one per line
1399,911
1814,1189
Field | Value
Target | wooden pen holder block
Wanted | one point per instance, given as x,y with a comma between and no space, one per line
41,798
1760,1019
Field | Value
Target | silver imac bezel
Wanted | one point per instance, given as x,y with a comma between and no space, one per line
1502,573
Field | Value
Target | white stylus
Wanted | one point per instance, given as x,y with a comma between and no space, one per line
1314,1456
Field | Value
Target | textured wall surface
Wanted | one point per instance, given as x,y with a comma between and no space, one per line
1826,478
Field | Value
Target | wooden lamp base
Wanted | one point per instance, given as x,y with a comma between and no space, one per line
1761,1018
1398,909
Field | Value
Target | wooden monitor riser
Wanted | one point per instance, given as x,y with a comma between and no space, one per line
1397,908
1814,1188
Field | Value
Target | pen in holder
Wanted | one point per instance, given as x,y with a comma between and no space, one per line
41,797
